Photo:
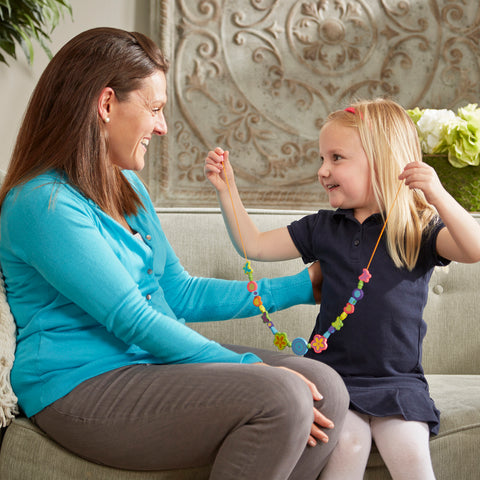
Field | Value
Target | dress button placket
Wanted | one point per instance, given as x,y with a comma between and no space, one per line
355,249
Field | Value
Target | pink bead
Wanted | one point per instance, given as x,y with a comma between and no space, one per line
349,308
319,343
365,276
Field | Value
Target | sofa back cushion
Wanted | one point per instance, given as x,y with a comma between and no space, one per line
201,241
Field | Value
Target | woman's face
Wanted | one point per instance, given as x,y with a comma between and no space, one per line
134,121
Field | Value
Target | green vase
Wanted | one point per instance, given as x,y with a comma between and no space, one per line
462,183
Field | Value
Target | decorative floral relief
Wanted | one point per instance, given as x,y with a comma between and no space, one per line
332,37
258,77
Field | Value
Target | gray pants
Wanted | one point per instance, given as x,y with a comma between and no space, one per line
250,421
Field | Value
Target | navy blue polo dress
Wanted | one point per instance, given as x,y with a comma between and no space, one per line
378,351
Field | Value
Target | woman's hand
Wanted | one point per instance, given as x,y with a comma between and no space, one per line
319,420
215,162
316,277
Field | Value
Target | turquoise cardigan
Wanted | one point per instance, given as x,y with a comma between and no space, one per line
88,296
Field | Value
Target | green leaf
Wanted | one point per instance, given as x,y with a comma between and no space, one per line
415,114
8,46
25,20
5,4
26,44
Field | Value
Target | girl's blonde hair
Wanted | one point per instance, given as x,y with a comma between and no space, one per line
390,141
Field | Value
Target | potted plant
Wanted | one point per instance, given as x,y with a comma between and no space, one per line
451,144
22,21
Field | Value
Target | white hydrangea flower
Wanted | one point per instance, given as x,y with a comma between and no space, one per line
432,127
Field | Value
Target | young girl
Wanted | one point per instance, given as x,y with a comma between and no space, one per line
367,151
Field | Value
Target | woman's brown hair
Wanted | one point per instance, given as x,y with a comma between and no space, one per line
62,129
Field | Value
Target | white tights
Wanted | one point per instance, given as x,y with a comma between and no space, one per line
403,445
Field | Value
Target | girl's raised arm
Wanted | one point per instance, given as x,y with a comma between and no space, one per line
272,245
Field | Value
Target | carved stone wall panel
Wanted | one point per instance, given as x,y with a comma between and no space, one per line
258,77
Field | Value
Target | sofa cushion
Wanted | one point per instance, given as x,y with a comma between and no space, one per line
458,399
28,454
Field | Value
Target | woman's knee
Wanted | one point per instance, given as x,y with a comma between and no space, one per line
333,389
330,384
288,398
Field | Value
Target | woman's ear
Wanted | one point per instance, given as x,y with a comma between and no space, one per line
105,101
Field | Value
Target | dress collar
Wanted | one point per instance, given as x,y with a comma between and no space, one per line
348,213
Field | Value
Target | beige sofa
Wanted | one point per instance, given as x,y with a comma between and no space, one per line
451,358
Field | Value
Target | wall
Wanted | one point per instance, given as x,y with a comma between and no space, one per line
258,77
18,80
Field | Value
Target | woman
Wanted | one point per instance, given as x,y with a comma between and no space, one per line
105,364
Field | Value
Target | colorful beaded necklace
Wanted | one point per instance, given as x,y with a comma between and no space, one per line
319,343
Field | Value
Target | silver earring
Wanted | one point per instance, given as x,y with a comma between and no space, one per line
107,120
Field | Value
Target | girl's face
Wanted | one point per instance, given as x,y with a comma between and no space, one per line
344,171
134,121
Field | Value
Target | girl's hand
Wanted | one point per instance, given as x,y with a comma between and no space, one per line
459,240
214,171
422,176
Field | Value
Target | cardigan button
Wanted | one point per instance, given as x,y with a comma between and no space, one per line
148,237
149,271
438,289
148,297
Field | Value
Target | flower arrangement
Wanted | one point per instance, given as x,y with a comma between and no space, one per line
442,132
452,140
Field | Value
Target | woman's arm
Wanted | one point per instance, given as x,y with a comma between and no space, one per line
55,238
200,299
272,245
460,239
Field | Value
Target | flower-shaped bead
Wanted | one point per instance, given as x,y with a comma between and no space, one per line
280,340
319,343
348,308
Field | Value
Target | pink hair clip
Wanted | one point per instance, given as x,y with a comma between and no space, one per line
352,110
